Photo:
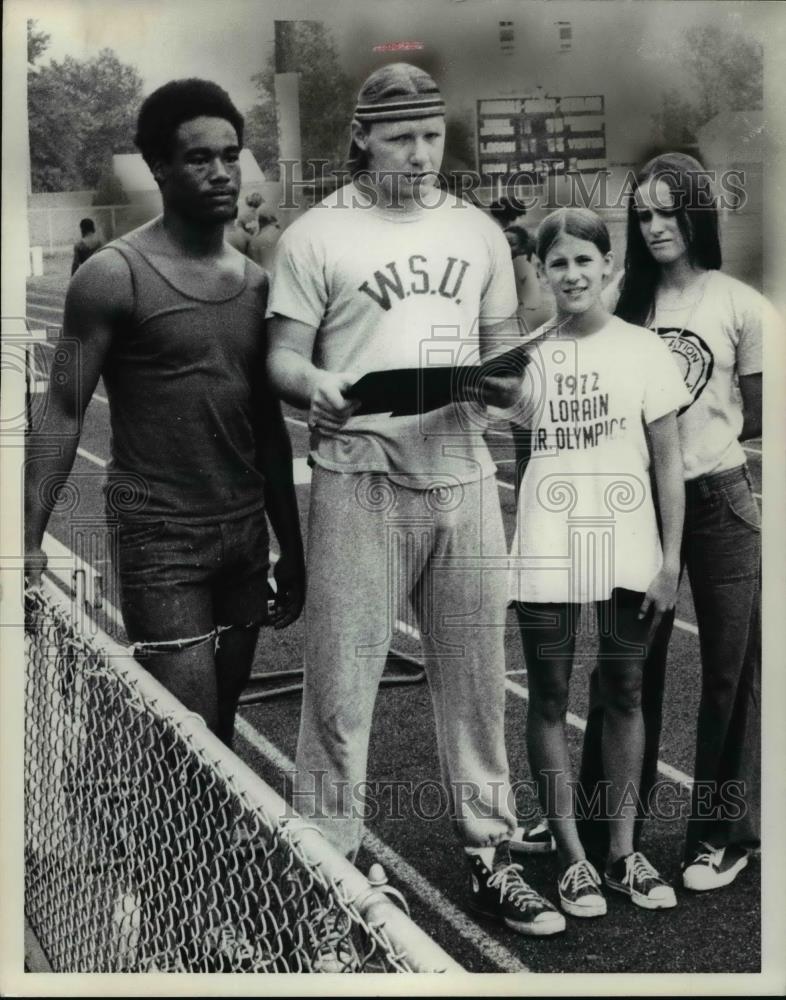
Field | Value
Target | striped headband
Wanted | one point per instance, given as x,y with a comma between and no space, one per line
411,106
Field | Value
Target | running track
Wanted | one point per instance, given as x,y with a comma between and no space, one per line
417,846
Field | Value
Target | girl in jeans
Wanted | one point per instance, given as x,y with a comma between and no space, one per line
600,399
713,325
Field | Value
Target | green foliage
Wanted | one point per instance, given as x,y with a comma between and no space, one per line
80,113
327,101
727,67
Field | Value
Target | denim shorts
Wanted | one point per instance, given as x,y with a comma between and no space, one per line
180,580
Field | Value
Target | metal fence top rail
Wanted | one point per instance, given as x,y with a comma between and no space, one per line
419,951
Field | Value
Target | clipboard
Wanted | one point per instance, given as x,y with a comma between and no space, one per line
407,391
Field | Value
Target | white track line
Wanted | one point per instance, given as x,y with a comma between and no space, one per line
416,884
294,420
575,720
91,457
34,306
752,448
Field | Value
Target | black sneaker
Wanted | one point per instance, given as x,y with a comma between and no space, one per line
579,889
634,876
504,895
713,867
536,840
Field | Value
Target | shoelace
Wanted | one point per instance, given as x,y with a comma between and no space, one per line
580,876
637,867
511,885
710,856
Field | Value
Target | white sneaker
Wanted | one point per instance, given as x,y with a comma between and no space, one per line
713,867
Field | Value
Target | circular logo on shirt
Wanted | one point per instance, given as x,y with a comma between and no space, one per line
693,356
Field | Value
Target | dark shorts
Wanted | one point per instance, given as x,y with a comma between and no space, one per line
180,580
549,629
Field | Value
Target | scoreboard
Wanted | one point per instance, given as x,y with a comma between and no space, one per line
540,135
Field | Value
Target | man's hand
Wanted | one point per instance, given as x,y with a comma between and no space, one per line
35,564
503,391
330,409
290,577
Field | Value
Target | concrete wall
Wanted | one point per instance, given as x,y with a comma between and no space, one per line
53,217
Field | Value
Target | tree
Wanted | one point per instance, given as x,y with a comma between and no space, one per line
111,94
327,101
37,41
80,113
727,68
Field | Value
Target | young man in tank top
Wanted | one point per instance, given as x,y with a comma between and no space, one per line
402,507
172,318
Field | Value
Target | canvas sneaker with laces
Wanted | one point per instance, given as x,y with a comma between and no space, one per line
634,876
580,892
713,867
503,894
536,840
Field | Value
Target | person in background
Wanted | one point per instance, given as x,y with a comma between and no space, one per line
87,245
536,303
236,235
248,216
262,245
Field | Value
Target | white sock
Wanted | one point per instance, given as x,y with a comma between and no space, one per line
486,854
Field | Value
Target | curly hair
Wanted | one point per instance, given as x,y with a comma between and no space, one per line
176,102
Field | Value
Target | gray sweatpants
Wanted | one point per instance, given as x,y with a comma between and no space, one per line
372,545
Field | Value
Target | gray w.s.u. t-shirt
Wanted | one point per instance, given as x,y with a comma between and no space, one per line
393,289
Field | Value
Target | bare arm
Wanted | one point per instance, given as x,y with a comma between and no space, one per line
96,298
298,381
503,389
750,390
669,479
274,454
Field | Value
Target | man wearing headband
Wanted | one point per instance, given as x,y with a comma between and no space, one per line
391,272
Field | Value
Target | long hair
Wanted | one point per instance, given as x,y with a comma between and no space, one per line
697,218
388,83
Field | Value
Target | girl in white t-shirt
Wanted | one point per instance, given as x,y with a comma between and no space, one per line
600,398
714,326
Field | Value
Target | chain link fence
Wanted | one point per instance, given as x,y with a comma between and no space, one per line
150,847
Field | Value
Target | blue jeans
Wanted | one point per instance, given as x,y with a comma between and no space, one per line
722,553
179,580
